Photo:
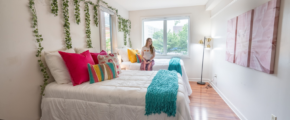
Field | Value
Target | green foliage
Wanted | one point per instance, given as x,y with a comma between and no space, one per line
176,42
88,21
125,26
108,45
66,25
39,39
54,7
77,11
96,20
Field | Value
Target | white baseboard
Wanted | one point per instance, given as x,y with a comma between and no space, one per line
229,103
198,79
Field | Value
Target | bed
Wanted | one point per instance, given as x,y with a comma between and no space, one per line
160,64
122,98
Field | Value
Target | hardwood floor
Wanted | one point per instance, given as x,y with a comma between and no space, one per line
206,104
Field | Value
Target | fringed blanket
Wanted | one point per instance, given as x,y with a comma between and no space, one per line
162,93
174,64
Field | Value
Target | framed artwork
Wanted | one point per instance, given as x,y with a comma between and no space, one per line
243,42
264,36
231,40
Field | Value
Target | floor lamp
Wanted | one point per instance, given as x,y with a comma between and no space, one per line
202,42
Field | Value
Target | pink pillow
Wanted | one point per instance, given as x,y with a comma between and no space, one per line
95,56
77,65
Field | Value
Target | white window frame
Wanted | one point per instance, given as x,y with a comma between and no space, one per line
165,34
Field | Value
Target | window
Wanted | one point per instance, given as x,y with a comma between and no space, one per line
108,32
170,36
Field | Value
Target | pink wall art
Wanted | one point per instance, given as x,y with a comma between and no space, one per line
244,31
231,40
264,36
252,36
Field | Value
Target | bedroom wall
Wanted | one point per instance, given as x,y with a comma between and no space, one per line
199,27
252,94
20,76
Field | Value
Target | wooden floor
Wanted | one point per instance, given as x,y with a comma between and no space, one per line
206,104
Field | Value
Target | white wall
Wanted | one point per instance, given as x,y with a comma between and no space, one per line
256,95
199,27
19,72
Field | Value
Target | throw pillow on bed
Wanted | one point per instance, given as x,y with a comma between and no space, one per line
57,66
112,58
139,58
101,72
124,54
81,50
95,56
132,55
77,66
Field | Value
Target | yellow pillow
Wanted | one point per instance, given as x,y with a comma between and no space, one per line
132,55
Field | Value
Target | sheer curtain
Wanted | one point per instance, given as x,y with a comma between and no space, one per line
114,30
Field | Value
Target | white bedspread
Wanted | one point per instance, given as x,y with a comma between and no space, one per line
122,98
160,64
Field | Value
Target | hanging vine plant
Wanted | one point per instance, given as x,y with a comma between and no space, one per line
96,20
39,39
129,24
88,21
125,26
77,11
66,23
54,7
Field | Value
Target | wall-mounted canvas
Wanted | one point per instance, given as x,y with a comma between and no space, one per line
264,36
231,40
244,31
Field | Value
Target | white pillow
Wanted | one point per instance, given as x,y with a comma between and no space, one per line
57,66
124,54
80,50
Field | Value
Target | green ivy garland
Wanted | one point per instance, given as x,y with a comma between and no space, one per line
39,39
77,11
125,26
88,21
66,23
54,7
96,15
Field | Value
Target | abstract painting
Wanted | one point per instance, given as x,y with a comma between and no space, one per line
264,36
231,40
244,31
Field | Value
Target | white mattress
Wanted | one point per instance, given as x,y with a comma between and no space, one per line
160,64
122,98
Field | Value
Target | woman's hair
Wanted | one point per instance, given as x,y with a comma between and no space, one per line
151,46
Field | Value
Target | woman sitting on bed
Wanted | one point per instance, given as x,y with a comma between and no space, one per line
148,54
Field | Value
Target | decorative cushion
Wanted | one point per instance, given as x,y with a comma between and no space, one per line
132,55
57,66
112,57
124,54
95,56
139,58
101,72
77,66
81,50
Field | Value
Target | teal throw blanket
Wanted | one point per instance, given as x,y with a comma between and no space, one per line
162,93
174,64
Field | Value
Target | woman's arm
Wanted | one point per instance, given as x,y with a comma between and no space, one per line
142,54
152,56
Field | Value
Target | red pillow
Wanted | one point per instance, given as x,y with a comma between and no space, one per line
95,56
77,65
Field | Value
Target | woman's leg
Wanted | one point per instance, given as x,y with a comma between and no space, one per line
146,66
150,65
143,65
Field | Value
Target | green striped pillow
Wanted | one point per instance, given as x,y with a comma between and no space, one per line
101,72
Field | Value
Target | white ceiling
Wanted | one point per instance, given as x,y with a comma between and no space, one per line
132,5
